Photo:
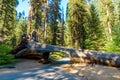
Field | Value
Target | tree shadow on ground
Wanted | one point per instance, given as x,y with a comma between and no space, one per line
96,72
43,73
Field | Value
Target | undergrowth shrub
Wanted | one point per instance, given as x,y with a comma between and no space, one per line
112,47
5,59
57,55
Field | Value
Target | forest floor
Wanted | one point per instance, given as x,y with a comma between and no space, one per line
96,72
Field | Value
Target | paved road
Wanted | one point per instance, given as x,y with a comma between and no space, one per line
48,72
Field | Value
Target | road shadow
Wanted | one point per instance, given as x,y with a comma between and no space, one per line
48,72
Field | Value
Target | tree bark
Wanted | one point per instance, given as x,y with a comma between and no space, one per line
108,23
75,55
46,23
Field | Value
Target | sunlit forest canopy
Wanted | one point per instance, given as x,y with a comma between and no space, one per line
84,24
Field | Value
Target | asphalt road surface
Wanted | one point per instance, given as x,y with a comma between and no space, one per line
47,72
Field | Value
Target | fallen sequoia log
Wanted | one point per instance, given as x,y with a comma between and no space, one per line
109,59
77,56
22,51
35,49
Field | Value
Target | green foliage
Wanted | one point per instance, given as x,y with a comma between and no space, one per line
112,47
89,26
94,32
19,30
4,48
5,59
7,20
77,20
55,21
57,55
104,26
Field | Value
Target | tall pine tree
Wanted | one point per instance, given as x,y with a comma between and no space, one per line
7,19
77,20
94,36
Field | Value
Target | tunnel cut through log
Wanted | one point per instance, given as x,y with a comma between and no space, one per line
34,49
77,56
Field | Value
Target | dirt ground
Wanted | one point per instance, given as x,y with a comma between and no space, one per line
96,72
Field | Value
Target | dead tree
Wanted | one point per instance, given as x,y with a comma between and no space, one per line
23,44
32,48
22,50
78,56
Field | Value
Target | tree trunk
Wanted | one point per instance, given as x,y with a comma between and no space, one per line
46,23
76,56
30,16
108,23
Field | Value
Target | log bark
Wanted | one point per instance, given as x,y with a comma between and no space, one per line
77,56
109,59
32,48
